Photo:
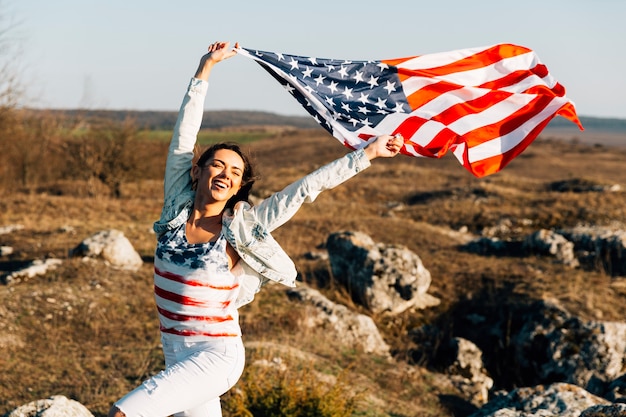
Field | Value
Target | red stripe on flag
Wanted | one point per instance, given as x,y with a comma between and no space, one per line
436,147
430,92
398,61
519,76
473,106
557,91
475,61
569,112
506,81
440,144
540,70
494,164
409,126
487,57
508,124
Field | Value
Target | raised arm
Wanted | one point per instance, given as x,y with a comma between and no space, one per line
218,51
181,150
281,206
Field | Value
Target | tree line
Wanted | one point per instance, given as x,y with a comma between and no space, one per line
40,150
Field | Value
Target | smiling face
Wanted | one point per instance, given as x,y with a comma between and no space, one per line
220,177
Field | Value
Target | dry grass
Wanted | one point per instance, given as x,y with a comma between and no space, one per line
90,333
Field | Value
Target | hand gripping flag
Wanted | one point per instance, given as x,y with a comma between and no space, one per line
485,105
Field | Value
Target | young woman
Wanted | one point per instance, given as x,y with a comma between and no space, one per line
214,252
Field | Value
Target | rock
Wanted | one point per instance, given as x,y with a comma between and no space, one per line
488,246
10,228
468,373
611,251
557,346
113,247
55,406
37,267
582,185
605,246
563,400
382,278
458,358
547,242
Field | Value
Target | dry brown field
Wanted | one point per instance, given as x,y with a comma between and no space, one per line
90,332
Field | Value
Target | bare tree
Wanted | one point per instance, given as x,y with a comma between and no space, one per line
10,92
11,89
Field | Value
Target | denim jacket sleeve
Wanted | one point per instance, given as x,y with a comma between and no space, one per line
281,206
178,194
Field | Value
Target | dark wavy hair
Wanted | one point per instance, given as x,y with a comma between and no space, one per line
247,179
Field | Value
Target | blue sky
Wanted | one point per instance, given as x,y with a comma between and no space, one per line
139,55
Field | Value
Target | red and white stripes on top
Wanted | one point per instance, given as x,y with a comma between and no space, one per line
194,290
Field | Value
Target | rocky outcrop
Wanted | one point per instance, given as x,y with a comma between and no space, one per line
553,345
564,365
382,278
580,246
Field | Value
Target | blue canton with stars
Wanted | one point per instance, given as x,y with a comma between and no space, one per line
173,247
356,93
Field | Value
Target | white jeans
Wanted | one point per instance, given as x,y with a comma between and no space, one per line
196,374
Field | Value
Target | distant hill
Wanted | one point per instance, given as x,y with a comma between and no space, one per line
231,118
592,123
157,120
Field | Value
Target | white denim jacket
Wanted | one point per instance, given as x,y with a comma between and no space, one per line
247,228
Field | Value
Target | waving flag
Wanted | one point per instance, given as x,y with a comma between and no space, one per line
485,105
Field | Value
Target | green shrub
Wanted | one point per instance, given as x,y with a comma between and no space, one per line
274,391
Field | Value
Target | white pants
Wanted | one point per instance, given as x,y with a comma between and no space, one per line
196,374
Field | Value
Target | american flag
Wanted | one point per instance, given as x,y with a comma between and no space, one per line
485,105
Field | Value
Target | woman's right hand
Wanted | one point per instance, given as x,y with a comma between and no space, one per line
385,146
218,51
